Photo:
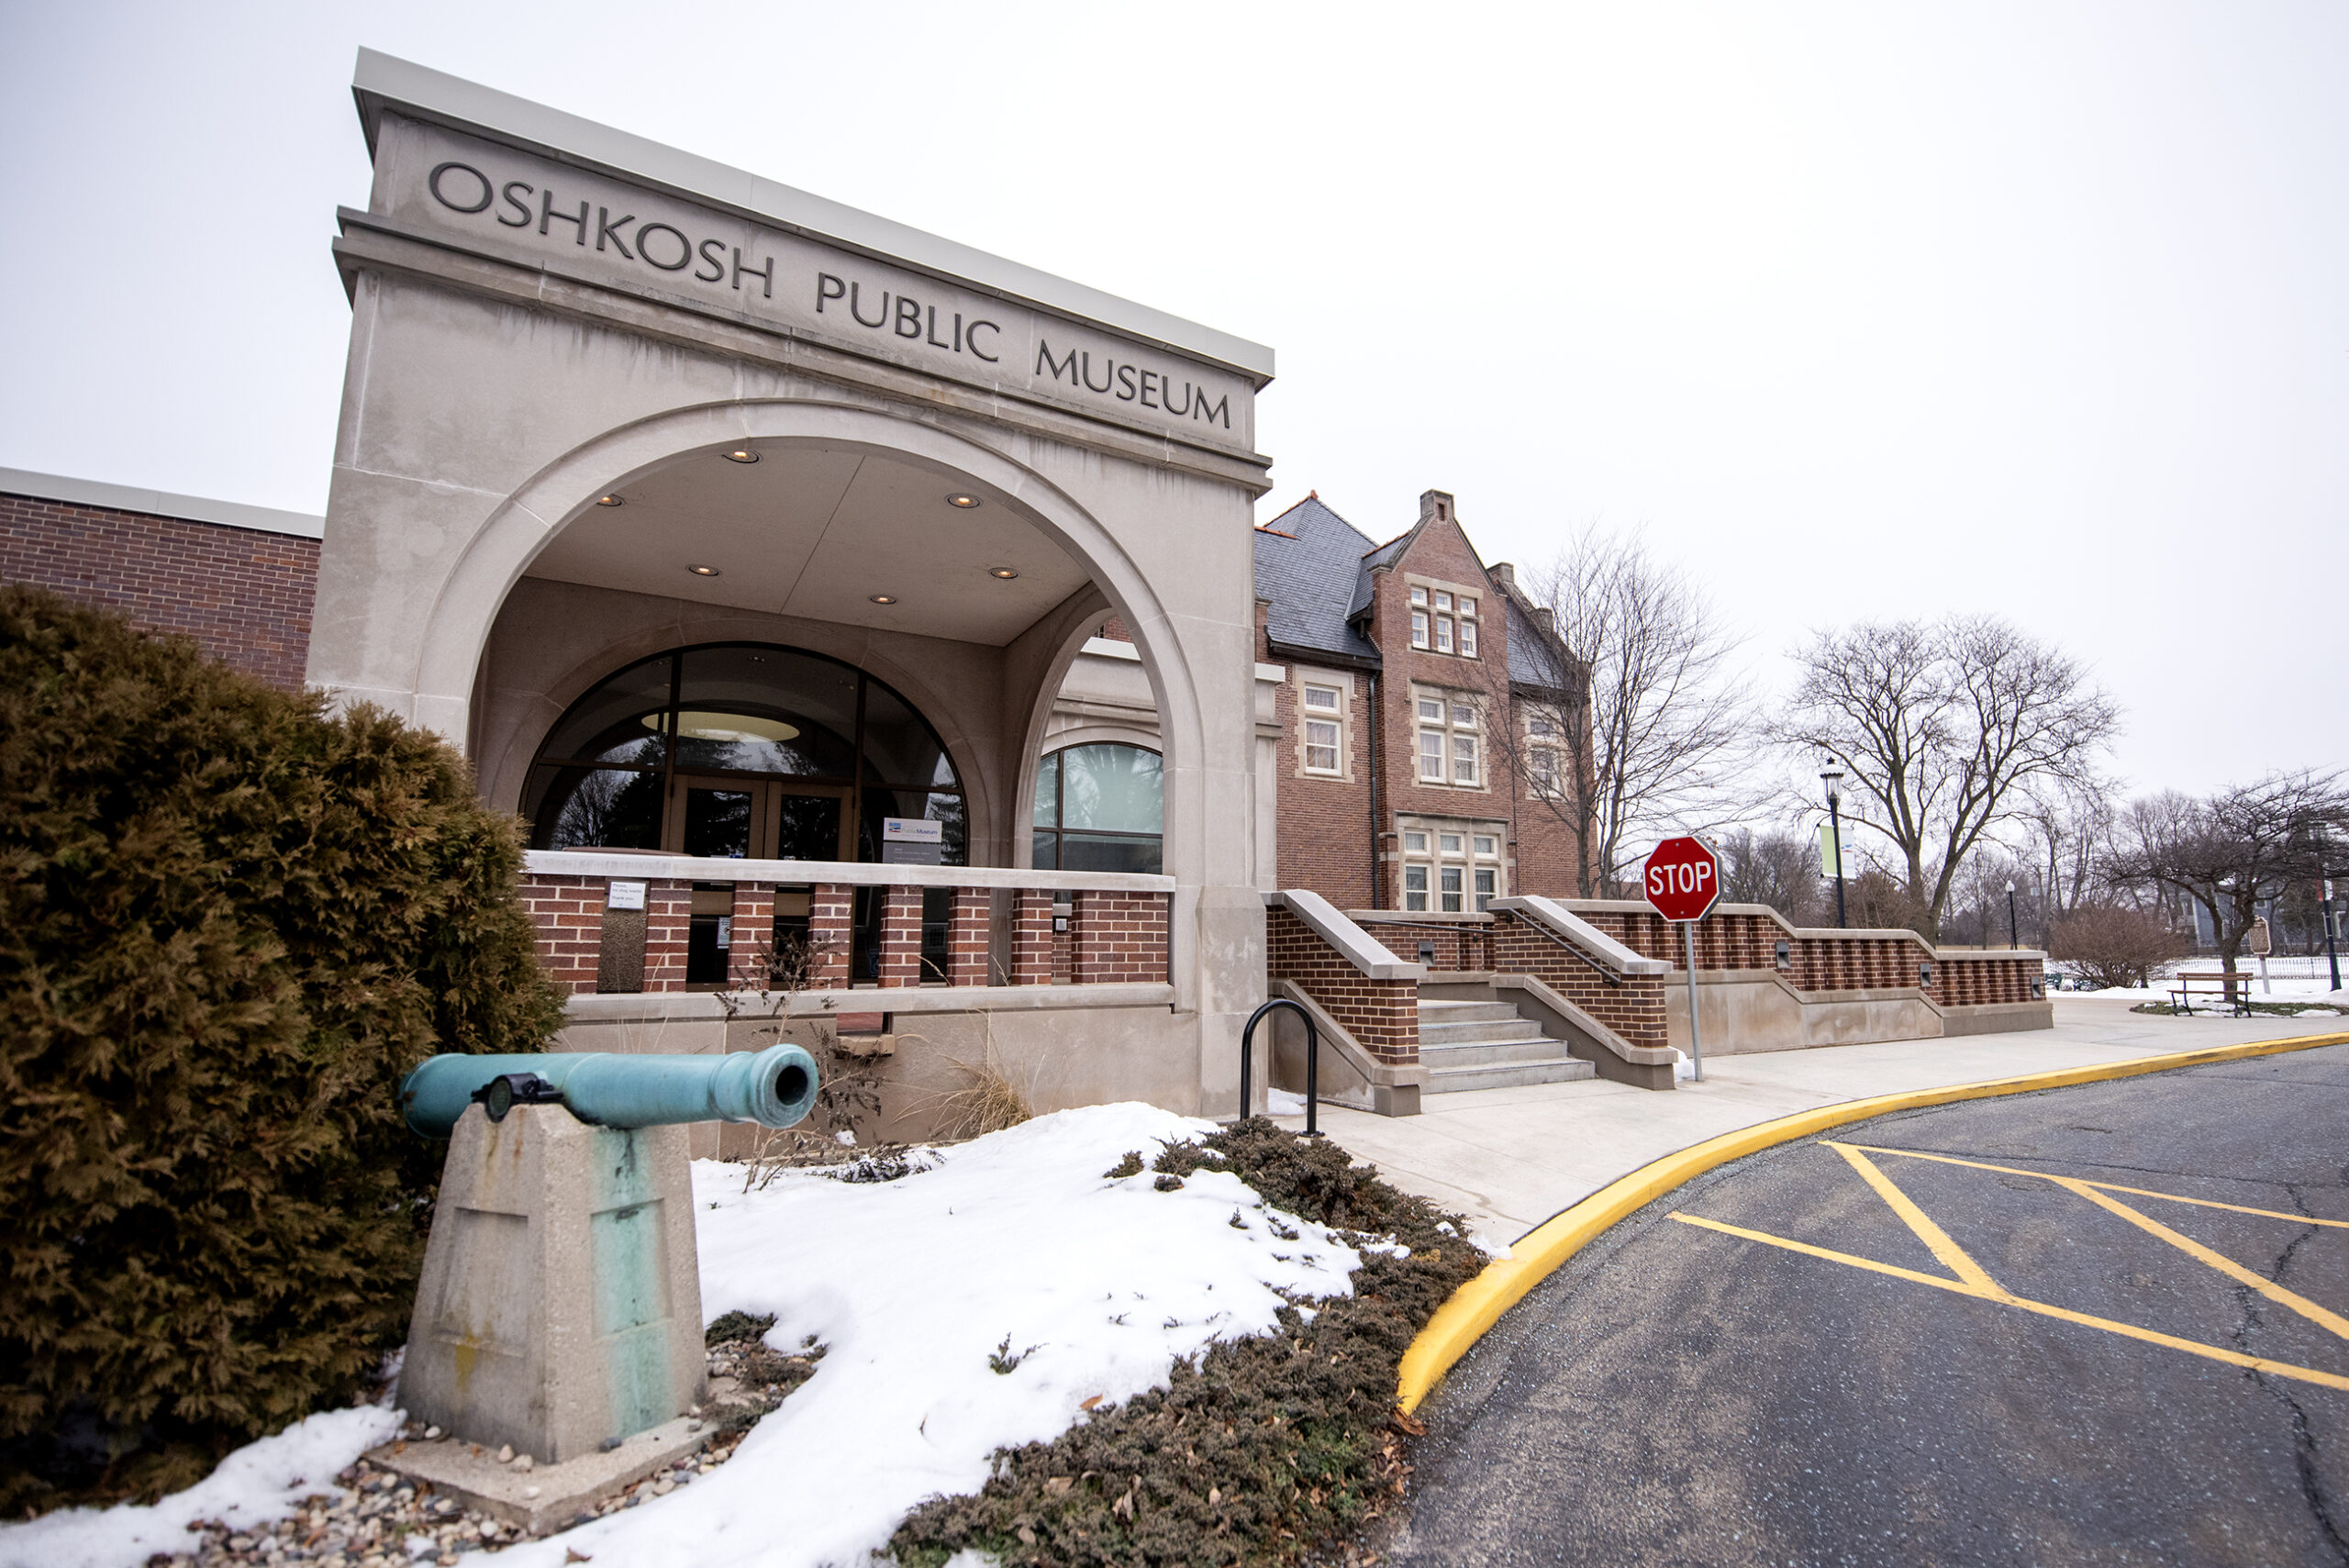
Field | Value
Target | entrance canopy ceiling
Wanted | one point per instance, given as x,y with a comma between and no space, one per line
815,532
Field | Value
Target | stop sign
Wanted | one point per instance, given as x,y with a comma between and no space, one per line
1684,878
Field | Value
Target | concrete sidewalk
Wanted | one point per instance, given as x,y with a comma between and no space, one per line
1511,1158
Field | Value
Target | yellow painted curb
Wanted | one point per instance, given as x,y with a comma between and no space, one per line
1476,1306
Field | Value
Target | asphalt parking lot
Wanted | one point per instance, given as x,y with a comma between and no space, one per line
2092,1324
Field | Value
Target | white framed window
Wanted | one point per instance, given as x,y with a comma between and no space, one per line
1443,634
1487,881
1542,729
1451,889
1487,845
1432,756
1419,598
1464,759
1431,710
1324,729
1543,764
1467,606
1419,628
1321,746
1464,716
1468,639
1449,842
1415,888
1442,603
1414,843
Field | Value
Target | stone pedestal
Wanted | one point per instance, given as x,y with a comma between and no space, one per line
560,1308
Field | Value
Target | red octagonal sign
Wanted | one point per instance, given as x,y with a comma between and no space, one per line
1684,878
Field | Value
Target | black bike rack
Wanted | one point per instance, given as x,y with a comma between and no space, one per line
1312,1061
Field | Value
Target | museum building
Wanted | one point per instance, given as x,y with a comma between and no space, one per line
809,582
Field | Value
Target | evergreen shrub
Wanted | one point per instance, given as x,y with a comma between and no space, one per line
230,923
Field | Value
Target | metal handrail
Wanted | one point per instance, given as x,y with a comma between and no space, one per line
1312,1061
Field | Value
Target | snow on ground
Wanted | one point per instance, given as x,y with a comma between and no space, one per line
1016,1246
258,1482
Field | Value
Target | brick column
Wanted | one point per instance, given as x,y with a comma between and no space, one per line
668,919
967,938
900,935
1031,939
831,917
746,967
567,914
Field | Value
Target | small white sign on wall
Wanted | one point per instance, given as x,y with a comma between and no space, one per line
624,895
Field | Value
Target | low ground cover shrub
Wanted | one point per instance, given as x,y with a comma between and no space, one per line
230,923
1264,1448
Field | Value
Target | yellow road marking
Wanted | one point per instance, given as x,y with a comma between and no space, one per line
1476,1306
1952,1256
1958,1287
2200,1253
2108,1186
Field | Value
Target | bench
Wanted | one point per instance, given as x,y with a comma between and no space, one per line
2233,989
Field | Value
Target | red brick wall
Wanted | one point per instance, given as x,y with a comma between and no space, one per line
1117,938
1458,944
1382,1015
245,596
1323,826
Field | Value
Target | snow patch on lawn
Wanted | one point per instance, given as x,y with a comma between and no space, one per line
1015,1248
257,1485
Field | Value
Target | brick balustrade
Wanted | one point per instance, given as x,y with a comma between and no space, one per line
1744,937
1631,1005
1118,924
1381,1014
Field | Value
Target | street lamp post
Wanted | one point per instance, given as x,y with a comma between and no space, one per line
1833,775
2325,907
2013,940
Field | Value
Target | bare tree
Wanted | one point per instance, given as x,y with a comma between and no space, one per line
1624,724
1780,869
2235,850
1945,727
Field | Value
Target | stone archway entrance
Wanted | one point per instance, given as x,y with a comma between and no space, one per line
563,454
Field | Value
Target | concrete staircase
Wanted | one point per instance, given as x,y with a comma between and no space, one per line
1486,1045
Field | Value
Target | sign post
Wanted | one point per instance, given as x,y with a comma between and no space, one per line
1682,878
2262,942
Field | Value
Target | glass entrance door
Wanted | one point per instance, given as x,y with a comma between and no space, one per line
731,818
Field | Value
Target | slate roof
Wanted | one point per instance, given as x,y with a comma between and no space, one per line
1306,578
1525,665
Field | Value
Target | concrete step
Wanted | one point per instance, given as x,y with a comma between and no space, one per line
1438,1012
1478,1053
1478,1033
1505,1076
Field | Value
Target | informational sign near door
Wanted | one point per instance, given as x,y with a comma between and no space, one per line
912,842
2260,941
1683,879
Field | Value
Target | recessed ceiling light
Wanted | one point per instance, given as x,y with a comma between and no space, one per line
609,501
741,454
885,598
703,571
965,501
1006,572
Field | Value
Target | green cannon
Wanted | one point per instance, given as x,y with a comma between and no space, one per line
774,1087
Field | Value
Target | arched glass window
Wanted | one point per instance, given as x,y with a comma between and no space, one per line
742,749
1100,807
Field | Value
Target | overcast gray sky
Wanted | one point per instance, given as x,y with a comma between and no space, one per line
1860,310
